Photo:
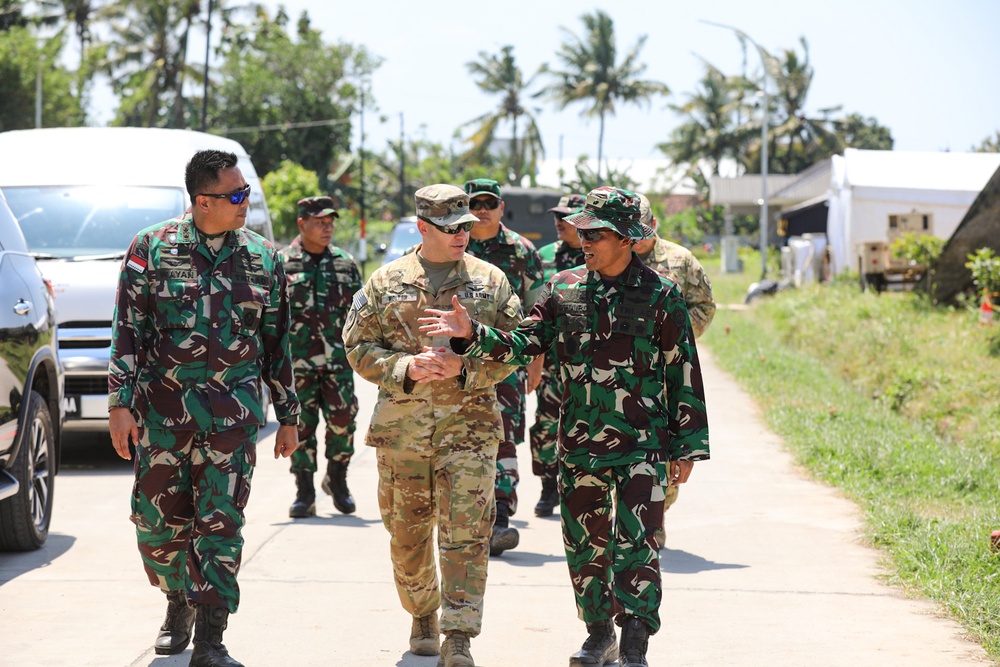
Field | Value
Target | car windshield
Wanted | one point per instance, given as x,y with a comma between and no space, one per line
87,220
404,236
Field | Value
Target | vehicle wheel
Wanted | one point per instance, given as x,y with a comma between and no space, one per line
25,516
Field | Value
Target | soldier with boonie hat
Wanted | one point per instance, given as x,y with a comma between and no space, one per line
612,208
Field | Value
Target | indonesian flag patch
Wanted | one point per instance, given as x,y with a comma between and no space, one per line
136,263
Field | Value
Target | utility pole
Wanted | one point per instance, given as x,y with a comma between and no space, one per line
38,91
763,145
402,170
208,43
363,244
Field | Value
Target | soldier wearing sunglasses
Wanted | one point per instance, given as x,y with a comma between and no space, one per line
201,321
436,425
633,415
517,258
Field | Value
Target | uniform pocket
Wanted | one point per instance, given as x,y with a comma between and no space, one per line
249,302
176,304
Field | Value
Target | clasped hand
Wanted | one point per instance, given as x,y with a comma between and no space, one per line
434,363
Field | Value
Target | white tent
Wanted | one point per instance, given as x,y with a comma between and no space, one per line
866,187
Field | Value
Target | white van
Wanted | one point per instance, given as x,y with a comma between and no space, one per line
80,195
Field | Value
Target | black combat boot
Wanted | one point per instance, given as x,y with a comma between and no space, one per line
209,651
175,633
335,484
549,499
504,537
635,639
600,647
305,496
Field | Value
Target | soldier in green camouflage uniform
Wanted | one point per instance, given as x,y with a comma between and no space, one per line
516,256
633,415
565,253
683,268
201,320
436,425
322,280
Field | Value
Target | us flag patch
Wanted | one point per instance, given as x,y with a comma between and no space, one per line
136,263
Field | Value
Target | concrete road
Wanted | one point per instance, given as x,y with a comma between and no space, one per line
762,567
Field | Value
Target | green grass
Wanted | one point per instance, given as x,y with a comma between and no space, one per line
896,402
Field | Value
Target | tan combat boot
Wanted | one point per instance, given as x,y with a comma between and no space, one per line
425,635
455,651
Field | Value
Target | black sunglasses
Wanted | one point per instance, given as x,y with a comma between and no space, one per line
591,235
489,203
236,198
451,229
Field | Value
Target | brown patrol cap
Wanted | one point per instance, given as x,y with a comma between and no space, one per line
569,204
442,205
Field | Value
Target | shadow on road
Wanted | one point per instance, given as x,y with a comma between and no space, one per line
14,564
675,561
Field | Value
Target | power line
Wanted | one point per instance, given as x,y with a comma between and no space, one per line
285,126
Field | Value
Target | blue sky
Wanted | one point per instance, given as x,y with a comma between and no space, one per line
926,69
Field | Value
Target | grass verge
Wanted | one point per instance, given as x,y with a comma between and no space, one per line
895,402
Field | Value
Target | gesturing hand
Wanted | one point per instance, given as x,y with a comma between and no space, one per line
454,323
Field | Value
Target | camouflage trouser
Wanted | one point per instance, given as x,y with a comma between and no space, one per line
454,490
510,395
613,563
332,392
545,431
190,492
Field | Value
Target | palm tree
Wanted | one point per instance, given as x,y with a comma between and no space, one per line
146,59
799,140
592,74
712,130
500,74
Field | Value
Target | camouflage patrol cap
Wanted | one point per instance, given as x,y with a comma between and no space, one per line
612,208
317,207
442,205
482,186
645,211
569,204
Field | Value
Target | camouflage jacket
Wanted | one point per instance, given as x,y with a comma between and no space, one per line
559,256
517,258
382,336
677,263
556,257
632,386
194,334
319,295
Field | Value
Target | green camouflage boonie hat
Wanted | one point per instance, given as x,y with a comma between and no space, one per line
317,207
482,186
443,205
612,208
569,204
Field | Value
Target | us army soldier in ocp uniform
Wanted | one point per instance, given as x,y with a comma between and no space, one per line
201,319
322,280
436,424
683,268
633,415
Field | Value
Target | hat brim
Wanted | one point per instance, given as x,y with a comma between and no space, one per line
473,195
562,210
453,219
636,231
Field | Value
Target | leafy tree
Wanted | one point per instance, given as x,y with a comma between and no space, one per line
985,267
920,249
856,131
146,58
284,187
290,95
501,75
592,74
20,59
989,144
